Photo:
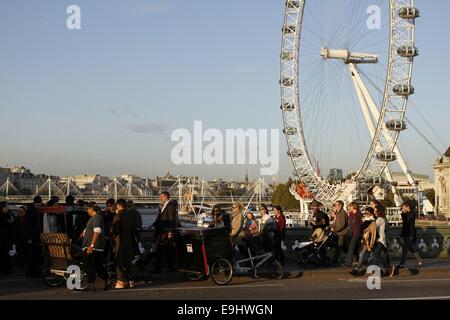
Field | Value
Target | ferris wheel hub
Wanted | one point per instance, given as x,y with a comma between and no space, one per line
347,56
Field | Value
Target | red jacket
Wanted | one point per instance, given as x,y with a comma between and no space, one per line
355,220
281,224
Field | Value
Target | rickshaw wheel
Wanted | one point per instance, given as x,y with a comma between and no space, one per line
222,271
50,279
275,269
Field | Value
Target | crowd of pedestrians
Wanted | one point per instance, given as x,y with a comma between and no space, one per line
363,235
110,238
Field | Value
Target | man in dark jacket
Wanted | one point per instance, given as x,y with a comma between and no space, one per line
340,228
409,234
125,228
165,224
31,232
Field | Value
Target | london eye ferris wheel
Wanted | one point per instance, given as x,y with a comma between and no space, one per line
345,83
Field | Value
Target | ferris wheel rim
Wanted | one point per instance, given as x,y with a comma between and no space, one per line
297,147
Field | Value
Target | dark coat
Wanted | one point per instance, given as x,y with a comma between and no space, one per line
167,221
32,227
126,229
6,231
409,225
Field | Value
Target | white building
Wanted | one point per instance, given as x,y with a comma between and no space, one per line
442,184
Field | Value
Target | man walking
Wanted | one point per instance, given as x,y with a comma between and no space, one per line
125,232
409,234
340,227
32,226
94,247
165,225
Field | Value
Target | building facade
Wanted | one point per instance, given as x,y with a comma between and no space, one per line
442,184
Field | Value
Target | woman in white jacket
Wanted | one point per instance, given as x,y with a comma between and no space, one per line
381,246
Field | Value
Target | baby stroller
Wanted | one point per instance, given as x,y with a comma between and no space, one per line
315,251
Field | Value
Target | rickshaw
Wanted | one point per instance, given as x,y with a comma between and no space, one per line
201,253
59,254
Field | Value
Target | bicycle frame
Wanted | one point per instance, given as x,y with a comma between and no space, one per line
263,258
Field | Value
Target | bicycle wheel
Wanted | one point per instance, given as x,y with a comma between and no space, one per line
275,268
222,271
83,278
50,279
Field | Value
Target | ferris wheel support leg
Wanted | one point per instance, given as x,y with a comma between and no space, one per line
363,100
376,114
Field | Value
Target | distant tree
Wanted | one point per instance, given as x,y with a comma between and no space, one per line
282,196
388,200
349,176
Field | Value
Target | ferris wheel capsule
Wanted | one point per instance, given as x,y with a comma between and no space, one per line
396,125
404,90
386,156
409,12
364,198
407,51
374,180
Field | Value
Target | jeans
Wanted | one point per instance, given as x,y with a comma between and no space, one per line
409,245
353,249
363,257
377,256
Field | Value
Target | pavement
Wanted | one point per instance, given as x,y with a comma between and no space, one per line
430,282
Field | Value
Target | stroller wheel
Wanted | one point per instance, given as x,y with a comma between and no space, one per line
303,257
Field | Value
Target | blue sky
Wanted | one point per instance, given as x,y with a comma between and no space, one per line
104,99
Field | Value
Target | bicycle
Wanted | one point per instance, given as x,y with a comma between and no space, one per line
222,270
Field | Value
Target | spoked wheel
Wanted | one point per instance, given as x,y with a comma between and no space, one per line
50,279
303,256
83,281
222,271
274,269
